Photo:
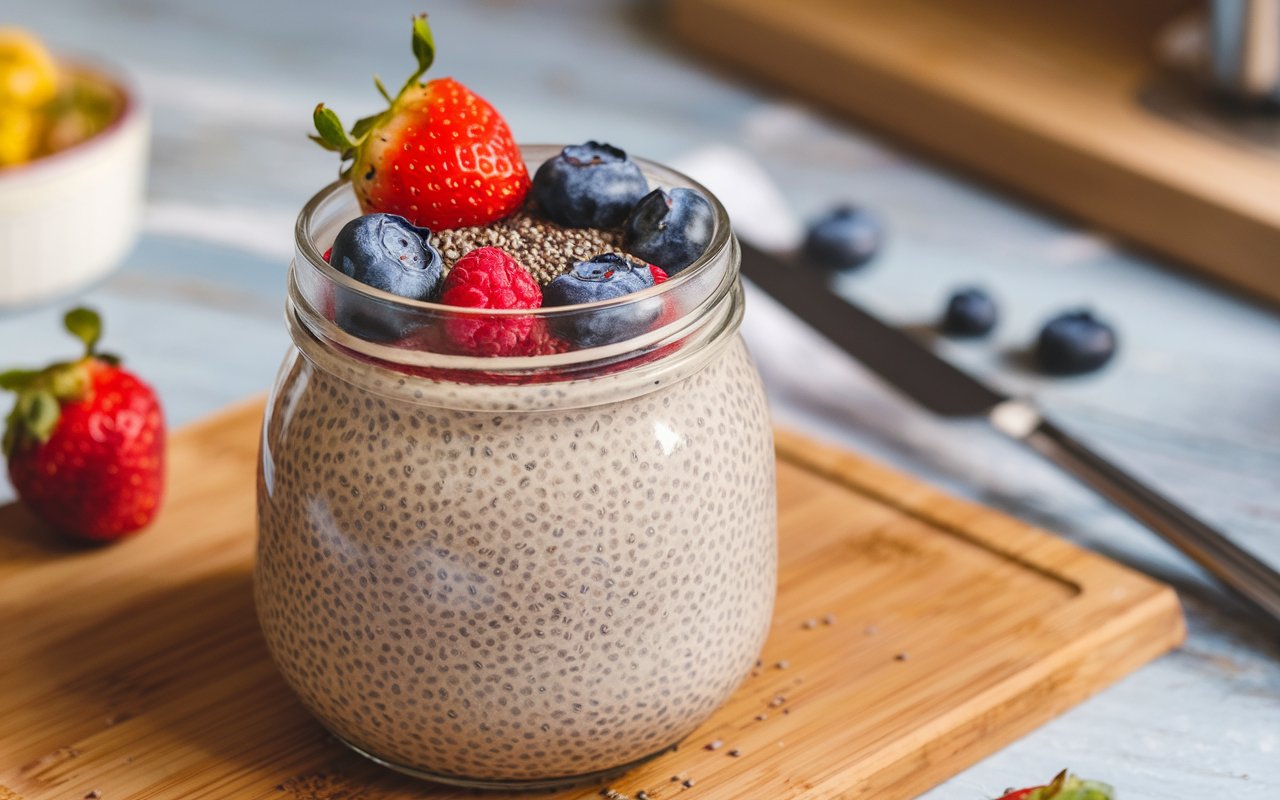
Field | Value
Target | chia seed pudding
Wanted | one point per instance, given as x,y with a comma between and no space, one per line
516,571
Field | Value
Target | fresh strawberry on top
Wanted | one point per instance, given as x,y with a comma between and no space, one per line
85,441
1064,787
440,156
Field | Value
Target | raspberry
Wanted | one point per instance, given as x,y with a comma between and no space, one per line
490,278
659,274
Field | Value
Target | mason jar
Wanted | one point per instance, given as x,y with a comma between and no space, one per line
515,570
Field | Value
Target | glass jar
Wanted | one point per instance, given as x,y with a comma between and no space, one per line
522,570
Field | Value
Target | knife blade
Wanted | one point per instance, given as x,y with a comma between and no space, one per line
920,374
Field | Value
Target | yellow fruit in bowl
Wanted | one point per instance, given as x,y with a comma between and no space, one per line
20,132
28,73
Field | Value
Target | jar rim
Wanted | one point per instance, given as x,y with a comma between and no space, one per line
307,248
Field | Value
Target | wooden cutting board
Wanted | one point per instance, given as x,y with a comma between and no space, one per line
1061,101
920,633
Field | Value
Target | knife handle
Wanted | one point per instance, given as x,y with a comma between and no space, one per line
1236,568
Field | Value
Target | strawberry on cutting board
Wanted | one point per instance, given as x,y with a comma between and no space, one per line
1064,787
440,156
85,441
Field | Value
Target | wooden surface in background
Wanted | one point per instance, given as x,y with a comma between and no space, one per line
137,670
1039,96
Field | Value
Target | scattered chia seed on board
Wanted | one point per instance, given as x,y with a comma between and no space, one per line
810,624
735,752
783,664
829,619
545,249
716,745
688,783
642,795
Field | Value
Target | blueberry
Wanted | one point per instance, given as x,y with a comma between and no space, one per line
670,229
970,312
386,252
845,238
603,277
1075,342
590,185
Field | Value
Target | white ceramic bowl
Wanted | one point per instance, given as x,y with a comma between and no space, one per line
69,218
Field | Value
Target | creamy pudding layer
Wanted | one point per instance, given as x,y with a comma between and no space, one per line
517,596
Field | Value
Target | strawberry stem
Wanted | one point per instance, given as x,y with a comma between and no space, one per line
382,89
86,325
424,49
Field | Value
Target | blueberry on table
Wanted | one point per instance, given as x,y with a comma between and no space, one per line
603,277
590,185
970,312
1075,342
670,228
844,238
388,252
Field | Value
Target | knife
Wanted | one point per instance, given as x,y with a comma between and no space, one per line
913,369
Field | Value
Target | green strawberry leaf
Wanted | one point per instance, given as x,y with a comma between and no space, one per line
84,324
66,381
364,125
38,412
332,135
424,50
15,380
12,422
382,90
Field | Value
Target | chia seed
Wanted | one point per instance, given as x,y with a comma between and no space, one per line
545,249
735,752
810,624
777,701
829,619
716,745
783,664
902,656
688,783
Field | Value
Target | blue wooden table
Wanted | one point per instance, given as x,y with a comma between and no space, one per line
1192,403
